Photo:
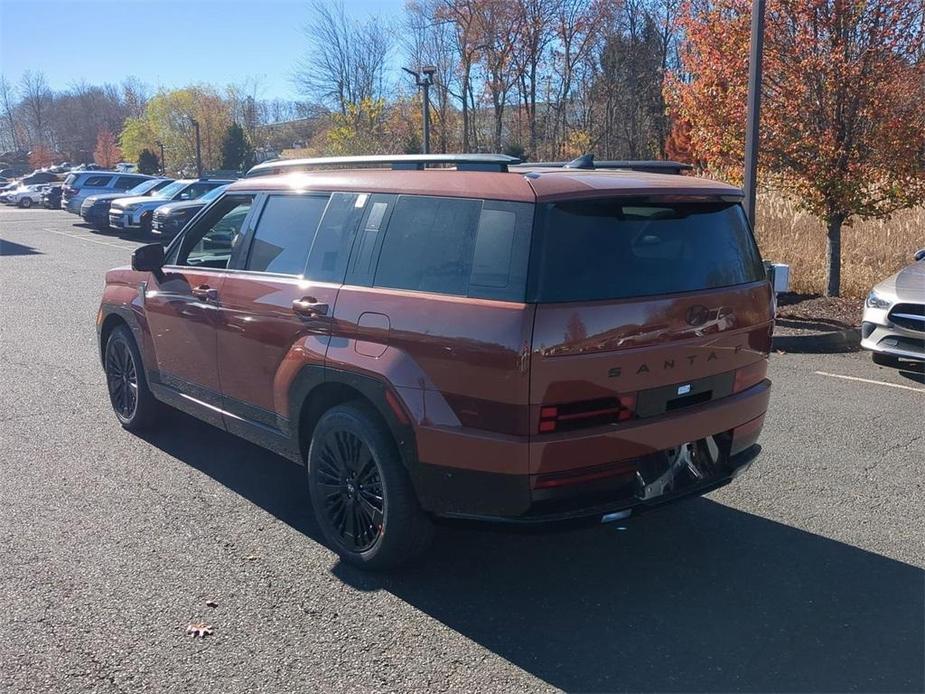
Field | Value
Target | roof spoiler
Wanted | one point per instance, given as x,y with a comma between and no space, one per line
413,162
586,162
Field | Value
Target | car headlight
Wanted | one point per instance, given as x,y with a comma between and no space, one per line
874,300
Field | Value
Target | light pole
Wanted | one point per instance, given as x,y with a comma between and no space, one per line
754,108
424,79
198,147
163,163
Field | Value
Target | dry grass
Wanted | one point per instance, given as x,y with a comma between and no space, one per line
871,250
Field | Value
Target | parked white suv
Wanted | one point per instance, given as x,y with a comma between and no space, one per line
25,196
82,184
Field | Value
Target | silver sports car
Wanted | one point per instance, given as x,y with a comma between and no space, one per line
894,316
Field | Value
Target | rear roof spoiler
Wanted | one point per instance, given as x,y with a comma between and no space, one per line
419,162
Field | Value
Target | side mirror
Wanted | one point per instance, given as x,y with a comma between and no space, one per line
919,254
148,258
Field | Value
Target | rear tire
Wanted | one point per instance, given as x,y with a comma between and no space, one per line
131,399
361,493
884,360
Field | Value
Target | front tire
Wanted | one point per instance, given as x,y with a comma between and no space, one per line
25,203
129,395
884,360
361,493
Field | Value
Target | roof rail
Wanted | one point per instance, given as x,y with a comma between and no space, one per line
586,162
463,162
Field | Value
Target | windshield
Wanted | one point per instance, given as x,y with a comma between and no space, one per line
143,187
171,190
212,194
617,249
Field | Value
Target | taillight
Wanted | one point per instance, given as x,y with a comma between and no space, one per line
587,413
750,375
70,190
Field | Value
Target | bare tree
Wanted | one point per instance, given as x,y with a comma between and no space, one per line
8,105
346,62
36,101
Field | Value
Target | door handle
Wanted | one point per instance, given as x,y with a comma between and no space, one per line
205,292
309,307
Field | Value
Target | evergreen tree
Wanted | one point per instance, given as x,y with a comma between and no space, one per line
148,162
237,153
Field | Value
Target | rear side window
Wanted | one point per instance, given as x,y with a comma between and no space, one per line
327,260
616,249
285,232
126,182
96,181
428,246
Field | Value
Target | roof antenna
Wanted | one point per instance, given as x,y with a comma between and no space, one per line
585,161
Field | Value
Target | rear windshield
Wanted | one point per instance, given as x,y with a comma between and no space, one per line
617,249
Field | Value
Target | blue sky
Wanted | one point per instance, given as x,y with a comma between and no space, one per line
164,43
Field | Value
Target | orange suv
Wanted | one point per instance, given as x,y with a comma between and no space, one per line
456,336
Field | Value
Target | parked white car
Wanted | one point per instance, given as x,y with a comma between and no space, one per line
25,196
893,326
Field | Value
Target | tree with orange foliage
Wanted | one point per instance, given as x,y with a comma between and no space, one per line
107,153
843,103
41,156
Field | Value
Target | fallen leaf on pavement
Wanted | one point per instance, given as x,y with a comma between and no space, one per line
200,629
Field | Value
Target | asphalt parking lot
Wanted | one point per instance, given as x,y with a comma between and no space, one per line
804,575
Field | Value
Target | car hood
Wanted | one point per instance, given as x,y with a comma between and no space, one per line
171,207
138,200
99,197
907,285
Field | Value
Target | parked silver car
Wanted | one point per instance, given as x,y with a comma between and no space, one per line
893,327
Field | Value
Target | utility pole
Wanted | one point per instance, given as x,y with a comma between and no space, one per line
163,163
755,57
198,147
424,83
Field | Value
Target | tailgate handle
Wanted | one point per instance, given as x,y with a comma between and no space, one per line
309,307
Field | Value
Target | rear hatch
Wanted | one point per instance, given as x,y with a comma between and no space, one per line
644,308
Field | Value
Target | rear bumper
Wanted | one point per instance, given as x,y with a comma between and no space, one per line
589,475
621,508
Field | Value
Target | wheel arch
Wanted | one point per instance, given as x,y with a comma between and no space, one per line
317,389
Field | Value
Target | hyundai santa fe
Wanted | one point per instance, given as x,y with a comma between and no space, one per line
515,344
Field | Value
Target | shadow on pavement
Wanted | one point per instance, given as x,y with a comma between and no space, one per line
10,248
697,597
913,371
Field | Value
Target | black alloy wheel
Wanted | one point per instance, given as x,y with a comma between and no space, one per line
132,401
361,492
122,379
351,484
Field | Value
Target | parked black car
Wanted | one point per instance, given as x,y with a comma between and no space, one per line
51,196
95,208
40,177
169,219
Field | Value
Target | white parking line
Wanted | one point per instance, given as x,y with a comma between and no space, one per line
86,238
868,380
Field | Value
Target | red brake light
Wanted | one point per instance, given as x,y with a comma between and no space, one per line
750,375
587,413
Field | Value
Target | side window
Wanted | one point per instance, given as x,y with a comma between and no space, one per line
285,233
96,181
212,240
375,219
502,251
327,260
126,182
429,245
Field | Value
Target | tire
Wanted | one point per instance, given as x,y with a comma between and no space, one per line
25,203
884,360
361,493
131,399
